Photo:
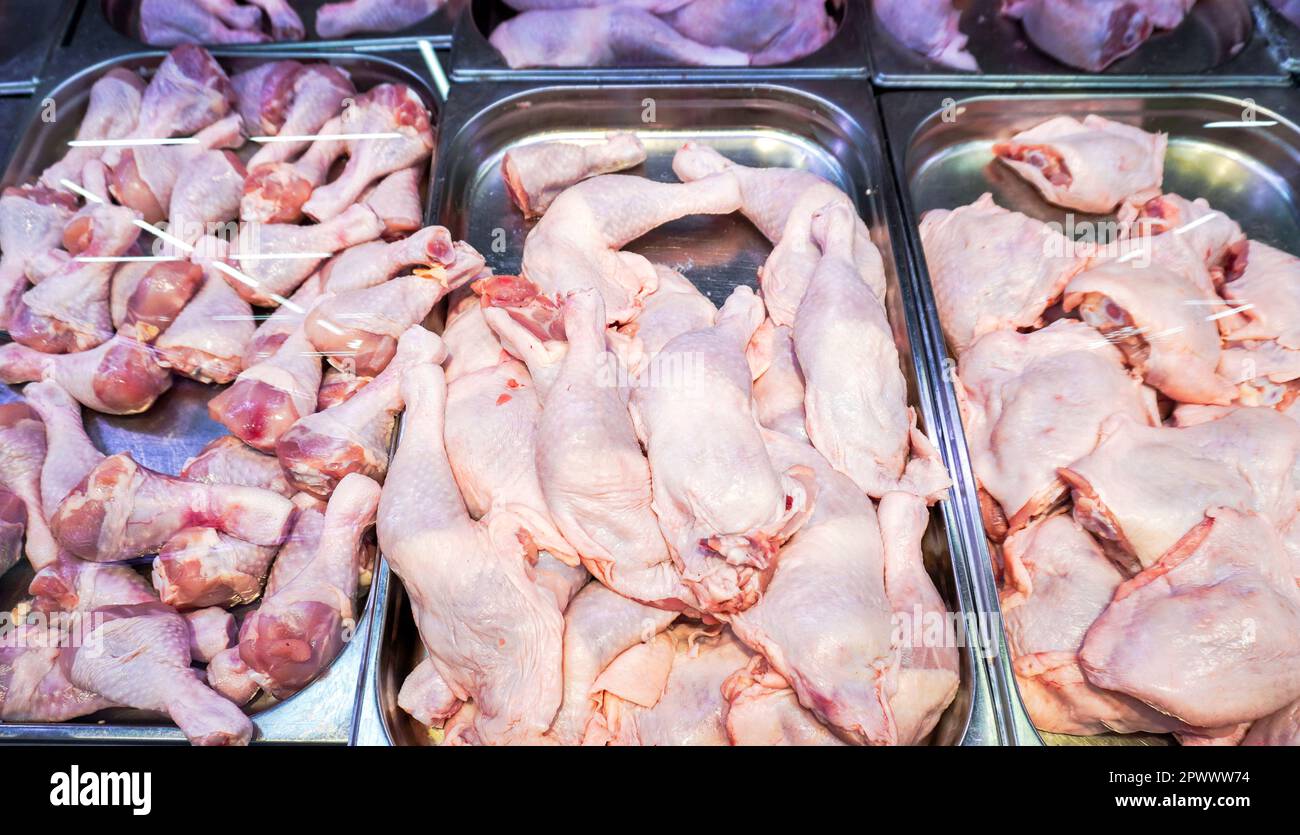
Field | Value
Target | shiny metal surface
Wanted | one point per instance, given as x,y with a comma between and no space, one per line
1238,149
1220,43
830,127
178,426
28,31
474,58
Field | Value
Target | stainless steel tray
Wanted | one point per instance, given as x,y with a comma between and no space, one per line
29,29
1199,53
830,127
111,27
474,58
176,428
1238,149
11,108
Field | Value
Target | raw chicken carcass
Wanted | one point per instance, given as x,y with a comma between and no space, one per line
22,457
353,437
32,219
1145,487
140,657
855,395
340,20
1088,34
667,691
120,377
1057,582
1265,294
301,625
992,269
1283,727
1093,166
596,480
724,508
578,242
536,174
603,36
123,510
383,109
493,634
1229,571
271,396
1162,323
929,28
781,202
1033,402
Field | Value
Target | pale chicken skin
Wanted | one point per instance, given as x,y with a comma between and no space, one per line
1093,165
1231,571
993,269
1145,487
723,506
1022,419
1084,34
1215,238
667,691
493,634
1266,290
536,174
928,28
763,710
578,242
779,387
593,474
1056,583
1161,321
781,202
674,308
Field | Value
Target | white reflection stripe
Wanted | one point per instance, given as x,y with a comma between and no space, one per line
340,137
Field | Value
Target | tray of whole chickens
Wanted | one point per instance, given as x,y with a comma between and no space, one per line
29,29
196,415
659,40
1115,278
1080,43
673,458
108,28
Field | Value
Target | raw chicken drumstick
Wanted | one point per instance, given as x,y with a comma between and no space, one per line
22,456
123,510
578,242
154,296
208,339
536,174
592,471
602,37
359,329
494,635
168,23
120,377
781,202
140,657
1093,165
13,524
110,114
32,219
70,454
269,397
289,98
769,31
301,625
227,460
200,567
353,437
703,443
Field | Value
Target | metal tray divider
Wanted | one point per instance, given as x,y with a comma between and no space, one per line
306,717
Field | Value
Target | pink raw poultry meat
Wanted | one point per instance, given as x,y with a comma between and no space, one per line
928,27
536,174
1083,33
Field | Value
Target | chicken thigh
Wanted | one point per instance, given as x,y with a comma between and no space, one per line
536,174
